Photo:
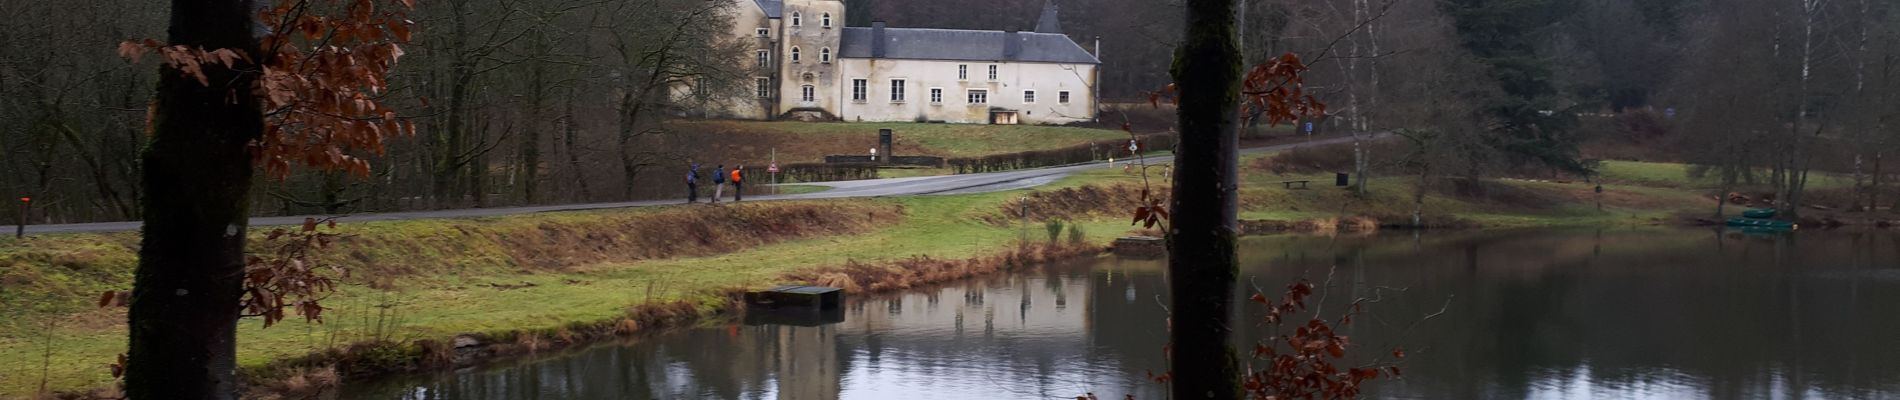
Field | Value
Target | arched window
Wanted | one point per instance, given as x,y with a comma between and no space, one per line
795,54
825,19
796,20
824,55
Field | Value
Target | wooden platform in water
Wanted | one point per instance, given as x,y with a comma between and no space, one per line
1141,247
819,297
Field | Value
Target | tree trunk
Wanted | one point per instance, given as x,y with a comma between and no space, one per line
1202,262
185,293
1873,195
571,140
446,177
629,167
531,138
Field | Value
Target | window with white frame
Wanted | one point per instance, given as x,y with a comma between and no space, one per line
992,72
963,72
825,20
860,90
936,96
979,96
795,54
824,55
897,90
1062,97
765,58
764,87
1029,97
765,32
810,94
796,19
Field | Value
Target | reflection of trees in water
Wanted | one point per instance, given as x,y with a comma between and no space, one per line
1621,313
1744,318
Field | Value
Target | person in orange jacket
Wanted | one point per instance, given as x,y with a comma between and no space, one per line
738,189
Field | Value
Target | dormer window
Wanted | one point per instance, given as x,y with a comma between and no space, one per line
824,55
765,32
825,19
796,19
795,54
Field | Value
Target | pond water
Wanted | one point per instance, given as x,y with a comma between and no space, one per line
1527,314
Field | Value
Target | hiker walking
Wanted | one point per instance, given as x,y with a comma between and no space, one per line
692,182
738,188
719,183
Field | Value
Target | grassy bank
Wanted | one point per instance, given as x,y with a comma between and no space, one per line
533,281
557,274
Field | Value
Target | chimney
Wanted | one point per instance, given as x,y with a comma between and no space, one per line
1012,44
1098,47
877,39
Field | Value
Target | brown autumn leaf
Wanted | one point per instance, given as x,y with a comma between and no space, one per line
131,51
106,298
118,368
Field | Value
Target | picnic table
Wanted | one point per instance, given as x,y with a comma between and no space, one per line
1289,184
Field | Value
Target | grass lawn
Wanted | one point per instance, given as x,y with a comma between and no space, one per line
811,141
1670,175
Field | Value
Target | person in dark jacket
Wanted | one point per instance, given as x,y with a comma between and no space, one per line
692,182
738,187
719,183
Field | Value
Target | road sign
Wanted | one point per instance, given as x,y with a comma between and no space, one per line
772,169
1133,145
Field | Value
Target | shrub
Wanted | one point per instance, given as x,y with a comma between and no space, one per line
1054,226
827,172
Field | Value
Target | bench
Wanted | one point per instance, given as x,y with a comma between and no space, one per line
1289,184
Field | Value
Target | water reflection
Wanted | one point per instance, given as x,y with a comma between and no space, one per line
1572,314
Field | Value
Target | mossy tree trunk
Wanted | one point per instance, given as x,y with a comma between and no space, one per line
186,290
1202,263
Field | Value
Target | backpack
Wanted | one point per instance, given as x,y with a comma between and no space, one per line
735,175
719,176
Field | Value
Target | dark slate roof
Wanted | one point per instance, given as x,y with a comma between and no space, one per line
967,45
1048,23
773,8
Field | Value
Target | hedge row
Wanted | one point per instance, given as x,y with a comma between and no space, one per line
1077,154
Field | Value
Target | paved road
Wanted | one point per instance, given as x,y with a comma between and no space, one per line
915,186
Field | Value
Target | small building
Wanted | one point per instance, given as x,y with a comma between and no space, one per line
812,67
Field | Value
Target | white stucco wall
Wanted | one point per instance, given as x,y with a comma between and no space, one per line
1048,80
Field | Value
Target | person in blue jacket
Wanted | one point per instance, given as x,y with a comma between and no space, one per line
719,183
692,182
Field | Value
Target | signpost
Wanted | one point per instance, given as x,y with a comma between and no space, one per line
774,167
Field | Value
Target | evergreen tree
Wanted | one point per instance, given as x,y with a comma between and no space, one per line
1529,116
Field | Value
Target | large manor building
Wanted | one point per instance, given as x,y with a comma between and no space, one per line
812,67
